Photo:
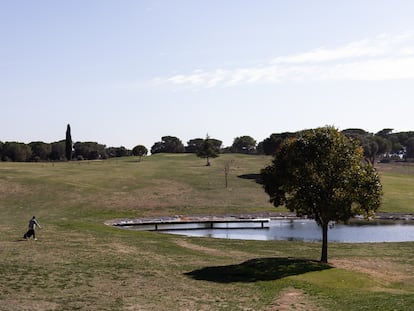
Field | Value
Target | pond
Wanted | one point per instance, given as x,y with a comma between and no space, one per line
308,230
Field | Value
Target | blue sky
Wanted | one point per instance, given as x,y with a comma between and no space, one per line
124,73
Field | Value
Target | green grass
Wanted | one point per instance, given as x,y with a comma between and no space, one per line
81,264
398,183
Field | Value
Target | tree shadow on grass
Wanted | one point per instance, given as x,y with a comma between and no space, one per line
256,177
260,269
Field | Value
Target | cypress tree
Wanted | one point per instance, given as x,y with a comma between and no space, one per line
68,144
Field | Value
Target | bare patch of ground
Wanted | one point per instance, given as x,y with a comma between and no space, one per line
11,188
207,250
293,299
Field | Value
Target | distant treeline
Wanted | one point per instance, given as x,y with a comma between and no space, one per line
41,151
382,146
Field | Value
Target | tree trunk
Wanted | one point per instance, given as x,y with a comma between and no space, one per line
324,257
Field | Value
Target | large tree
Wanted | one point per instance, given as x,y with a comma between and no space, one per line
139,151
112,152
168,144
244,144
208,149
89,150
321,174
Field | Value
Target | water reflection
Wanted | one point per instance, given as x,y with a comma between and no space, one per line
307,230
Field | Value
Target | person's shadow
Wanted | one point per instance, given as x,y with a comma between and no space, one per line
260,269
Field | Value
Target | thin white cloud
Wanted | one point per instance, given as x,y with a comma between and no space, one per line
380,46
385,57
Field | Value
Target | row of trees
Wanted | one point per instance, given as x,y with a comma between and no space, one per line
66,150
56,151
384,145
171,144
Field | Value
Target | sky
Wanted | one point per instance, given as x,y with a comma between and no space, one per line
126,73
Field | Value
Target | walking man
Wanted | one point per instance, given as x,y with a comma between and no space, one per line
32,224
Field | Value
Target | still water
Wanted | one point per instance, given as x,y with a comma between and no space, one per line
308,230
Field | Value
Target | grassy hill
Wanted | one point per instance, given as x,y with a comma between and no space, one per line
80,264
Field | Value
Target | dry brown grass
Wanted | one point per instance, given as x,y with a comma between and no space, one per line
81,264
211,251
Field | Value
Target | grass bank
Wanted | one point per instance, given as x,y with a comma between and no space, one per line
80,264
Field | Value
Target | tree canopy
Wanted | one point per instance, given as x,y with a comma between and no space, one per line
374,145
321,174
15,151
40,151
139,151
208,149
244,144
193,145
89,150
168,144
272,143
